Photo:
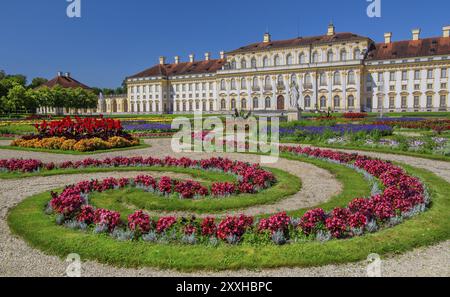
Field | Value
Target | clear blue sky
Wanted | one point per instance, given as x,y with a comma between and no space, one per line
116,38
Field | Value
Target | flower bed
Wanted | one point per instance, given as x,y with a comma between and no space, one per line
403,197
335,130
83,135
355,115
411,123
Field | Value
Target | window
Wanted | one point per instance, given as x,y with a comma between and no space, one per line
323,79
233,103
203,105
197,105
392,76
404,101
337,78
244,104
277,60
357,54
416,101
444,73
255,102
243,83
392,88
417,87
430,86
417,74
211,106
267,103
243,63
380,77
443,101
391,102
307,101
255,82
289,60
323,102
315,57
267,83
351,78
233,64
404,75
223,104
293,78
308,80
344,55
429,101
337,101
302,58
404,87
190,88
280,81
430,73
253,63
222,85
330,56
443,86
233,84
265,62
351,101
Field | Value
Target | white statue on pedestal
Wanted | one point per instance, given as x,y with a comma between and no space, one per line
295,110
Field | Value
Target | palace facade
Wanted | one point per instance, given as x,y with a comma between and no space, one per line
336,71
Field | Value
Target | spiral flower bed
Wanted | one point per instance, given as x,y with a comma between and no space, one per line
402,197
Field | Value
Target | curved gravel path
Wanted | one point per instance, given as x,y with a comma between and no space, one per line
18,259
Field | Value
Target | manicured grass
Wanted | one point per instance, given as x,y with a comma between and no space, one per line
17,129
370,149
127,200
62,152
40,231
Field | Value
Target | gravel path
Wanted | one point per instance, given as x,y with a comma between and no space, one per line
18,259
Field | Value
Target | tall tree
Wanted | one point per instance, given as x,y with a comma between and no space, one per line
37,82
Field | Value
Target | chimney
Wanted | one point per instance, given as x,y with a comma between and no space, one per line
222,55
162,60
446,31
67,74
267,38
177,59
191,58
60,73
416,34
207,56
331,30
388,37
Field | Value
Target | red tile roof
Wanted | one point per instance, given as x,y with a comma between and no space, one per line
300,41
65,82
186,68
410,48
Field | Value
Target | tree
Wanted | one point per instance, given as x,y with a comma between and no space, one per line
37,82
2,74
16,98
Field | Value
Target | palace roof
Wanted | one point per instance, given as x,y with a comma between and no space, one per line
299,41
410,48
65,81
185,68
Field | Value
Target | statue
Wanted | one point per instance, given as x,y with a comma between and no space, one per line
294,97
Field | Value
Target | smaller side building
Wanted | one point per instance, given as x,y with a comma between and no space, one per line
112,104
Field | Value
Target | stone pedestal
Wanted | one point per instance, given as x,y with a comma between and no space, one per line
293,116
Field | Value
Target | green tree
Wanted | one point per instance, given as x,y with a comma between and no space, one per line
37,82
16,98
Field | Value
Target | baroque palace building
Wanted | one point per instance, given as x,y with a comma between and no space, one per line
336,71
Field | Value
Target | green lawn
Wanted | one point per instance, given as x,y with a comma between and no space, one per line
39,230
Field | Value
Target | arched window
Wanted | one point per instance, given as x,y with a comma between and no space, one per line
255,82
323,102
233,103
357,54
267,83
323,79
244,104
277,60
222,85
223,104
308,80
280,81
265,62
351,78
233,84
289,60
253,62
337,78
307,102
255,103
233,64
267,103
315,57
243,83
243,63
351,101
343,55
337,101
330,56
302,58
